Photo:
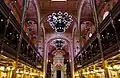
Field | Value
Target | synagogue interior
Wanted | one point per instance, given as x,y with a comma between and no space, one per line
59,38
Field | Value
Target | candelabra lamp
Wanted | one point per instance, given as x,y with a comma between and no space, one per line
60,21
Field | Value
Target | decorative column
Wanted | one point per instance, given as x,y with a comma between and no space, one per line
94,68
55,76
79,28
72,62
52,71
0,74
79,16
64,71
80,73
98,36
45,61
25,6
8,74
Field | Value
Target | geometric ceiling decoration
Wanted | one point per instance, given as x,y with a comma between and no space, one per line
58,43
60,21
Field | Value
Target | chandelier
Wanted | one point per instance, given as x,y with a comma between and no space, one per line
59,43
60,21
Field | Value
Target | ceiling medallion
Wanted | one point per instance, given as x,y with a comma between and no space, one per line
60,21
59,43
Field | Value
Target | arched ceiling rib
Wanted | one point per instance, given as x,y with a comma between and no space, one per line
86,13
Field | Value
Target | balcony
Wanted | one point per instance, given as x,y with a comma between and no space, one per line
91,52
10,31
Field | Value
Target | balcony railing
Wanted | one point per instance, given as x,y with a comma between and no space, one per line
110,45
9,39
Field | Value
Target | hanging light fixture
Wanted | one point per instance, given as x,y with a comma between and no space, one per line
59,43
60,21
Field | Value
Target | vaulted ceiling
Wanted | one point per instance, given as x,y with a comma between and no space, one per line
46,7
